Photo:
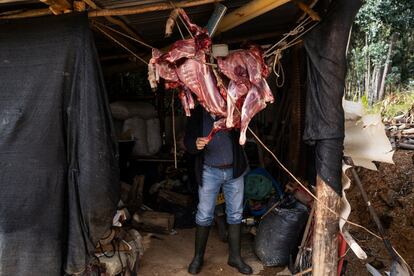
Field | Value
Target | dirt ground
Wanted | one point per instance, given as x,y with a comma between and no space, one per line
172,254
391,191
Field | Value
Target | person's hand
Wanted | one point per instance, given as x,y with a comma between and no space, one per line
201,142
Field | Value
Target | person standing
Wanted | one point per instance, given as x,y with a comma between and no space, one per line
219,163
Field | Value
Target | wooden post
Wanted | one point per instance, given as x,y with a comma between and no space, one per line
325,236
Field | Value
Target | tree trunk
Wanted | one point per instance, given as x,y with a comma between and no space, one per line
374,84
325,236
372,89
387,65
368,65
378,82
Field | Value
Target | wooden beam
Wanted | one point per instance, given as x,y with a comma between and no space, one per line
12,1
326,229
307,10
58,6
247,12
310,5
149,8
116,12
25,14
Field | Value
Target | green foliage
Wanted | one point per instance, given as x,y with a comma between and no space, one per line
364,101
374,24
393,105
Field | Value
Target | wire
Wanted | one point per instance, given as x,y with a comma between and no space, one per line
104,252
122,45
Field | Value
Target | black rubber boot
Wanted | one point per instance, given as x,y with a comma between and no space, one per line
201,238
235,259
221,227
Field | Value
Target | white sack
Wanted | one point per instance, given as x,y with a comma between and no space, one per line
138,129
153,136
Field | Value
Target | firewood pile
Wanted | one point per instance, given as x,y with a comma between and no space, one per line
400,130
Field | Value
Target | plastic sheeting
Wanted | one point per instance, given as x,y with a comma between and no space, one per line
365,142
58,157
324,126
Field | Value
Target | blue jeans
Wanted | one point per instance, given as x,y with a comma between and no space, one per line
233,188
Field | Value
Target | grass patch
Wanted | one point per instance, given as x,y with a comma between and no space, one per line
393,105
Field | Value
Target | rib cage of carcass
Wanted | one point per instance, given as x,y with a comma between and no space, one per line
186,67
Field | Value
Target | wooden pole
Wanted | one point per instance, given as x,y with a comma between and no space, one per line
304,237
149,8
325,237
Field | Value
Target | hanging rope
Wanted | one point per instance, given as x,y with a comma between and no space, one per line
322,204
278,69
179,29
299,29
173,129
277,48
181,19
122,45
297,180
125,35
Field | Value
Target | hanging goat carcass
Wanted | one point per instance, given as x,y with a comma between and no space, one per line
185,67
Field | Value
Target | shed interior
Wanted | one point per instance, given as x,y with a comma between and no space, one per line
163,169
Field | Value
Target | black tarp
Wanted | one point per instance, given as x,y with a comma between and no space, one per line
58,156
324,127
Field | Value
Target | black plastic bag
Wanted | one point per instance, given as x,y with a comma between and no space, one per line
279,233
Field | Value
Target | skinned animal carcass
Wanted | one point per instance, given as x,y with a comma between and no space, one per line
248,90
185,67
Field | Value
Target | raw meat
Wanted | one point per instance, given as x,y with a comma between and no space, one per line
251,106
247,72
171,23
185,68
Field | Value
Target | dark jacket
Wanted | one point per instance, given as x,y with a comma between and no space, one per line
194,129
